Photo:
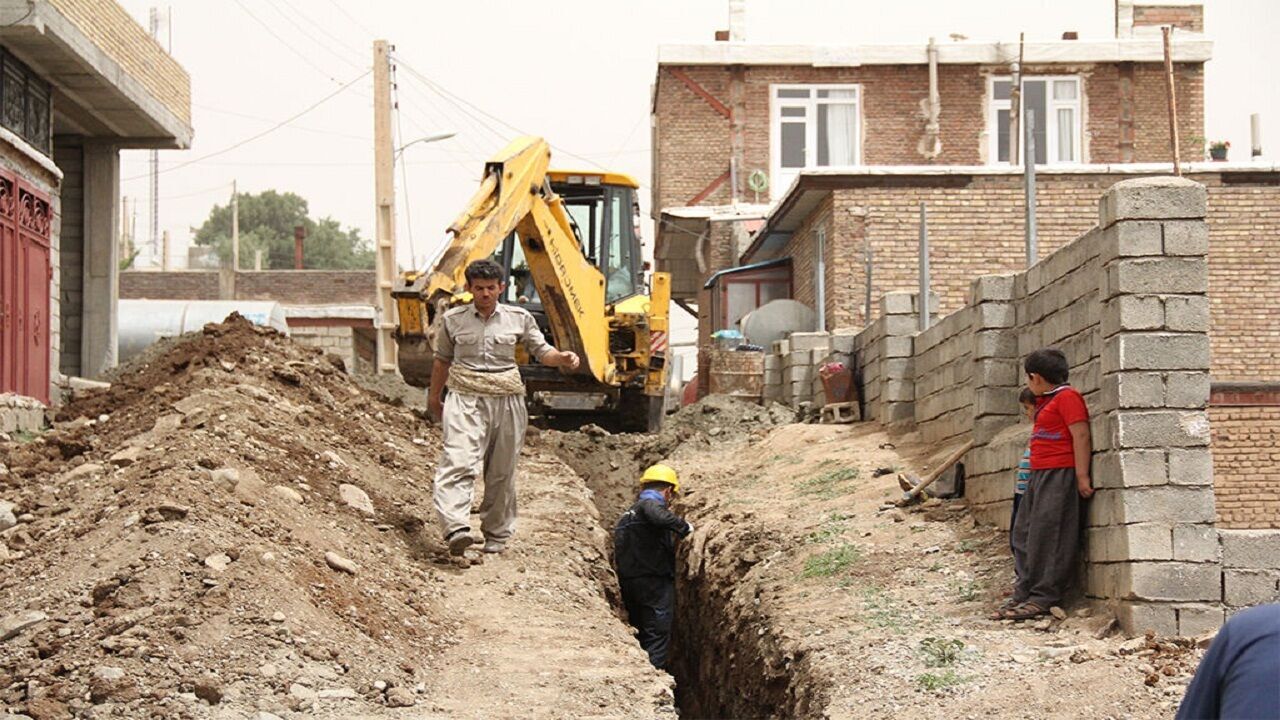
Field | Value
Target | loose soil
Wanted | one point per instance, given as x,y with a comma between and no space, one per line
804,594
184,549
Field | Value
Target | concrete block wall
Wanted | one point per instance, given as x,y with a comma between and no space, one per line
884,355
332,339
943,372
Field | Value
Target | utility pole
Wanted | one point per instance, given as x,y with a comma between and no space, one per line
235,228
925,310
154,159
385,197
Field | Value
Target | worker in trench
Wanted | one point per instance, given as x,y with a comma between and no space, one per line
645,555
484,417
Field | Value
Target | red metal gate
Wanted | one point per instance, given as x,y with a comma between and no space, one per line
25,277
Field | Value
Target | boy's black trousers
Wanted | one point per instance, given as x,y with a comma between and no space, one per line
1046,536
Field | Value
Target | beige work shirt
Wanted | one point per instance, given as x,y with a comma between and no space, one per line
489,345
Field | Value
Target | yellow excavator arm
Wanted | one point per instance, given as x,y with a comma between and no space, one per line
515,194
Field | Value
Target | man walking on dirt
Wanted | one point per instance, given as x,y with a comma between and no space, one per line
484,418
644,551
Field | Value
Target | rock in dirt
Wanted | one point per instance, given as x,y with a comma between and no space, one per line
13,625
227,477
208,687
127,456
1058,612
288,493
339,563
83,471
250,489
400,697
217,562
111,683
7,518
165,512
355,498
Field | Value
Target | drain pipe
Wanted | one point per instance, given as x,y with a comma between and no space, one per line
931,144
820,281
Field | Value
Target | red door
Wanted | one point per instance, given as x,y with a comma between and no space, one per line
25,277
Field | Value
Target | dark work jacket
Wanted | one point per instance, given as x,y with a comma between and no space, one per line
643,541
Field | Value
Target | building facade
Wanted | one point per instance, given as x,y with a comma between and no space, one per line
79,81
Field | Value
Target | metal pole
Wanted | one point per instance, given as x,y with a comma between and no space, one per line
866,245
820,281
1173,102
235,227
924,268
1029,182
1255,135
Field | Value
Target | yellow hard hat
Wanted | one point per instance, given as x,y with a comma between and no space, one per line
662,474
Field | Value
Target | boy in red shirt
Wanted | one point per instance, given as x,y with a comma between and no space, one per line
1046,533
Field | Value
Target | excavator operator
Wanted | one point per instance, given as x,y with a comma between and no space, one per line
484,417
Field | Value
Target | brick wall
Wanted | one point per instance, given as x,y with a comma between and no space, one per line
1246,465
289,287
1184,17
1122,102
975,227
69,156
109,26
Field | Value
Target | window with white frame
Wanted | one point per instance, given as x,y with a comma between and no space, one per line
812,126
1055,101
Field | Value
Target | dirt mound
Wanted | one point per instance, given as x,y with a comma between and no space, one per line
611,463
225,526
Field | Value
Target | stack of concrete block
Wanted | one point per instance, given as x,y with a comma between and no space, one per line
868,345
943,367
800,368
1250,567
19,413
1151,539
773,371
900,318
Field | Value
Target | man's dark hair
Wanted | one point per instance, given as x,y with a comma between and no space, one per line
1026,397
484,270
1049,364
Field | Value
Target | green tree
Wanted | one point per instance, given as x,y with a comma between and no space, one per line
267,220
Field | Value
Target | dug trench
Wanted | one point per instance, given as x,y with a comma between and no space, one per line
805,592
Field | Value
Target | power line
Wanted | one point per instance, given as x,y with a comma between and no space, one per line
266,132
301,55
328,46
404,171
247,116
353,19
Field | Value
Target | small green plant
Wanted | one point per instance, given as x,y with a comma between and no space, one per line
831,530
941,681
830,484
788,459
917,528
831,562
880,609
967,590
966,546
940,652
24,436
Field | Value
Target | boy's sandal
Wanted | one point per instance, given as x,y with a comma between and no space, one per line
1005,611
1026,611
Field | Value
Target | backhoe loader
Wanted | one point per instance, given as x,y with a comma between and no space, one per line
571,250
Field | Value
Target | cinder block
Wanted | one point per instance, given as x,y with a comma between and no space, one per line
842,344
1137,618
897,303
1129,469
897,391
898,347
1160,428
1153,198
772,362
1121,543
1196,543
1157,275
897,412
1132,390
995,401
898,368
1155,351
1156,504
781,347
1172,581
995,344
1102,580
997,372
1251,549
995,315
1132,312
1186,313
1198,620
1130,239
987,427
1186,390
991,288
1186,237
1245,588
1190,466
900,325
809,341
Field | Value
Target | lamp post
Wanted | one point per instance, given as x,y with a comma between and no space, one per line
427,139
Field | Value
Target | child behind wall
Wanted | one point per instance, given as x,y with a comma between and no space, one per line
1027,400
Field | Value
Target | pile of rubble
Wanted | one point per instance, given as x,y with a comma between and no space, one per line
225,527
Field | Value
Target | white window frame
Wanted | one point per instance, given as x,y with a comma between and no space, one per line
994,106
779,178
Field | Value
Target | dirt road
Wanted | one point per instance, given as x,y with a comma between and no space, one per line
235,529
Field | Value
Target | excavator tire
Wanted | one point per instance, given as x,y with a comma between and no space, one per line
639,413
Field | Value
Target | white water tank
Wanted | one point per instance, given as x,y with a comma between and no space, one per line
143,322
775,320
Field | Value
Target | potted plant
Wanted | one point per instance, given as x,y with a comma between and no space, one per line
1218,150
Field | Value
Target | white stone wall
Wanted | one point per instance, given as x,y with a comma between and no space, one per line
338,340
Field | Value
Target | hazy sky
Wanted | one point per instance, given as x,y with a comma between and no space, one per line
575,71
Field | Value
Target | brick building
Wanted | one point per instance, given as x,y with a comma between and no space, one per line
79,81
851,145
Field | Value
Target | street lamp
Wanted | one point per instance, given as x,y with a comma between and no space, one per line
427,139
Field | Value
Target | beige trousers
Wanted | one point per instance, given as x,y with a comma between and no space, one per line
488,430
